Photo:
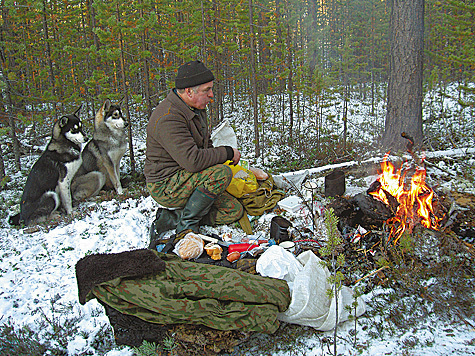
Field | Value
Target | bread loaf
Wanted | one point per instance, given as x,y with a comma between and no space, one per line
259,173
191,246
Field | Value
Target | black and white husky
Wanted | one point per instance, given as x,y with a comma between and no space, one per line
49,181
102,154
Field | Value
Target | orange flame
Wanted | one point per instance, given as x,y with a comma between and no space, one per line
415,199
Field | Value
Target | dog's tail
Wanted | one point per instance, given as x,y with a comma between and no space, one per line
47,204
14,220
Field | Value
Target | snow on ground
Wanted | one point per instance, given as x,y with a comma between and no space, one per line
38,283
37,280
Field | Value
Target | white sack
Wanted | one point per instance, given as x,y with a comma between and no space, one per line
310,305
279,263
224,135
284,180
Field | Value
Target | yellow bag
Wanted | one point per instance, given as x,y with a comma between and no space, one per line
243,182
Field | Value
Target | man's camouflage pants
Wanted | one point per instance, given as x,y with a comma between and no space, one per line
173,192
193,293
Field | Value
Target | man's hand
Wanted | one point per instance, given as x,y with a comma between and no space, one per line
236,157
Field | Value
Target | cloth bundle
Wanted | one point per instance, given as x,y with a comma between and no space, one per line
175,291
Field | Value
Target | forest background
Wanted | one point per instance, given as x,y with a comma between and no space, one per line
305,56
307,76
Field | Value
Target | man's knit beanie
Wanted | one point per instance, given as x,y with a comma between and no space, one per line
192,74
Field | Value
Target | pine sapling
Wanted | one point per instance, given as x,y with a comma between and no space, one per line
334,262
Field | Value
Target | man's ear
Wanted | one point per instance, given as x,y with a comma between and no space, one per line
188,91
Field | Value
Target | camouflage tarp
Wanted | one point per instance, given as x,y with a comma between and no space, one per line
194,293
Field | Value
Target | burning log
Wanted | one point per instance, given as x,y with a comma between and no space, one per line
391,201
374,213
413,195
363,210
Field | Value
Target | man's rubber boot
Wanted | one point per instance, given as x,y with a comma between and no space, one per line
165,220
197,206
210,218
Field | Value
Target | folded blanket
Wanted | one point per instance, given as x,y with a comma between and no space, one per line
95,269
185,293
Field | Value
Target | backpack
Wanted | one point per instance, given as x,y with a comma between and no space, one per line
263,199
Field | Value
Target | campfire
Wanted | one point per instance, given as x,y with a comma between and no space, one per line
408,196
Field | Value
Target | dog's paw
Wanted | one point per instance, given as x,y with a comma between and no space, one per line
120,191
54,216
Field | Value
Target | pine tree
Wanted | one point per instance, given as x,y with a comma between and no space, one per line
404,113
451,45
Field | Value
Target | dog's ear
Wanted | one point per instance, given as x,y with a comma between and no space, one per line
58,124
121,101
63,121
77,113
107,105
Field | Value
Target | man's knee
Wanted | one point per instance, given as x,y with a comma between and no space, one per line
228,173
219,179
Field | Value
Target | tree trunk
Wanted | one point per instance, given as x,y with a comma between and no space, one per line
48,56
90,34
203,35
264,51
290,84
216,112
2,168
145,68
85,29
257,147
346,94
126,96
278,53
404,112
92,22
8,88
372,61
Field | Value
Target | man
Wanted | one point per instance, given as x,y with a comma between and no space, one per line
182,168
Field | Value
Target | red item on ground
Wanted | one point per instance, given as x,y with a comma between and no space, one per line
260,241
241,247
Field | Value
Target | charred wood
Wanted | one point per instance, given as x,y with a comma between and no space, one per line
362,209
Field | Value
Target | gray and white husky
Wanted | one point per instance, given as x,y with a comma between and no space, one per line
101,156
48,184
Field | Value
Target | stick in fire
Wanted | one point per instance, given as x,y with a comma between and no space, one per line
410,148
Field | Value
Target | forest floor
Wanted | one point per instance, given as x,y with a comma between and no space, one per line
419,293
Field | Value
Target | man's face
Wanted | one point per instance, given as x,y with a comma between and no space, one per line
202,97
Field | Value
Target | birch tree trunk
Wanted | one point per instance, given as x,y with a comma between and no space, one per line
2,168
